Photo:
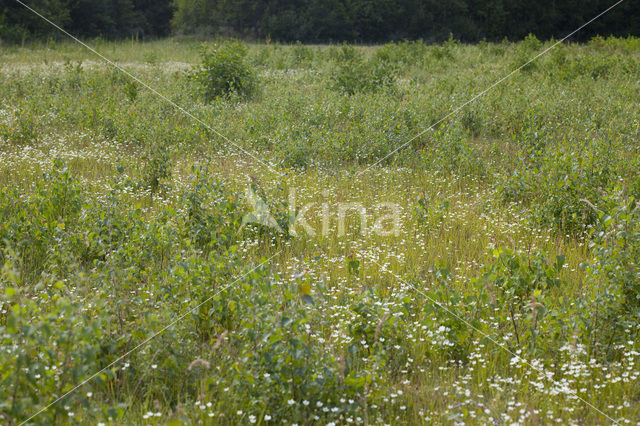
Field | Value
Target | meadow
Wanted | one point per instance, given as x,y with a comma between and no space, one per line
140,283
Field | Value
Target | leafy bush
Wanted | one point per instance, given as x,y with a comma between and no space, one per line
526,50
515,277
213,213
446,50
224,71
615,271
302,55
31,228
45,351
130,89
23,130
156,167
404,53
451,150
557,184
356,75
518,287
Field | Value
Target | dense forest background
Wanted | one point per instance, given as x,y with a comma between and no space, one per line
366,21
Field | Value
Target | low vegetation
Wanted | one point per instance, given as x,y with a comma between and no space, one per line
141,282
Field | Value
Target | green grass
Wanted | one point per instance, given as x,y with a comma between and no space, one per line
120,214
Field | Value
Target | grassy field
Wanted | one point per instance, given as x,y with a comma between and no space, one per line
488,271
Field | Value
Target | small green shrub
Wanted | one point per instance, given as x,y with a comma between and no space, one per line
516,277
517,286
213,213
404,53
157,166
472,120
446,50
224,71
557,184
354,75
302,55
615,271
23,130
452,151
45,351
31,228
74,75
130,89
526,50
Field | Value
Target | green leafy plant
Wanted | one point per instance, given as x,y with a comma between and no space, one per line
355,75
223,71
157,166
616,270
519,284
131,90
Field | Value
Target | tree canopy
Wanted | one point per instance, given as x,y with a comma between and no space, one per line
319,20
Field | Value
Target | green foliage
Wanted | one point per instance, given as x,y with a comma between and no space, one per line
403,53
527,49
131,90
431,212
451,151
561,184
521,288
109,18
157,166
269,218
445,51
213,213
133,233
23,131
224,71
616,268
354,75
45,352
515,278
314,21
31,227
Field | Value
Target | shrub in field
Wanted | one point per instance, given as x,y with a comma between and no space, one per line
223,71
616,274
44,351
157,166
30,228
595,67
74,75
514,278
557,185
356,75
130,89
518,286
213,213
344,53
402,54
302,55
269,348
472,120
267,218
451,150
446,50
431,211
526,50
23,130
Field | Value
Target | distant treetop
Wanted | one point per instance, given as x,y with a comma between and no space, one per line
365,21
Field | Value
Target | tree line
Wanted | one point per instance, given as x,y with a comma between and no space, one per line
366,21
